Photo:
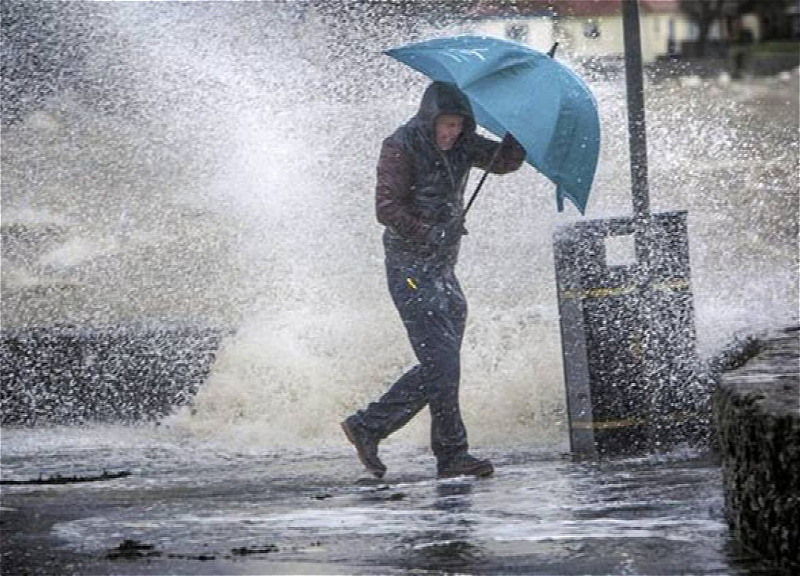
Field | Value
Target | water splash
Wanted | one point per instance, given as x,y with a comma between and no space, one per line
214,163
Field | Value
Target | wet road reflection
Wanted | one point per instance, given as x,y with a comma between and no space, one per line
540,514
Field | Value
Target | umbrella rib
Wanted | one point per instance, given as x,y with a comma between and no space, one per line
472,81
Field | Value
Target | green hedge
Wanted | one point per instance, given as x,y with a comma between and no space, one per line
776,47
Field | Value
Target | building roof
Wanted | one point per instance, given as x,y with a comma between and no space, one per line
564,8
659,5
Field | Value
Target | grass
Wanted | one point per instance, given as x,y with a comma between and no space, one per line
776,47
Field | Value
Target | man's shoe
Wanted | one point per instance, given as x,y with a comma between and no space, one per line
366,446
464,465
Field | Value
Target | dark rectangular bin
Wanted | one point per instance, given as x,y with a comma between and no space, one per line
628,336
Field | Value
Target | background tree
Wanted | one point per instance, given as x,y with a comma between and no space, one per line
703,13
772,15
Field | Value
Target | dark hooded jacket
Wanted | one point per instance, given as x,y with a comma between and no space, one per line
420,186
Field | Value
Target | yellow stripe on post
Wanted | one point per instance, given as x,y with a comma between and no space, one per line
671,286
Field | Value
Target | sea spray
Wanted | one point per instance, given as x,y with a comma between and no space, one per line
214,163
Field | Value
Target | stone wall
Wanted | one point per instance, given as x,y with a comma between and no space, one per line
73,375
757,418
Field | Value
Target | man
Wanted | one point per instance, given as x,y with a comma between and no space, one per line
422,174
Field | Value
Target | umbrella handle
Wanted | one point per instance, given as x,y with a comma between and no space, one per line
486,173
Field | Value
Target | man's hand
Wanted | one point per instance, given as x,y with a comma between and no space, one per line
447,233
512,143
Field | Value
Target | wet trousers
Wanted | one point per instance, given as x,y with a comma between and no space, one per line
434,311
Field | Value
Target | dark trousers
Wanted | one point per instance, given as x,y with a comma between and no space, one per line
434,312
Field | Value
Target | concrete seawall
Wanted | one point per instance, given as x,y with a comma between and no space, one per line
757,417
76,375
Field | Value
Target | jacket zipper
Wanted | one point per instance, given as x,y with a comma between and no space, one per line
449,169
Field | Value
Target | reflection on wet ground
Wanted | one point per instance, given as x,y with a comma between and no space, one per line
191,509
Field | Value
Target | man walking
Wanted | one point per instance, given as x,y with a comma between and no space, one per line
421,176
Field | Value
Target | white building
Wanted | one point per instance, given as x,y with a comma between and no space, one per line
588,28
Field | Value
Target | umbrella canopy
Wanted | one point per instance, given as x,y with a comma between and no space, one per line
515,89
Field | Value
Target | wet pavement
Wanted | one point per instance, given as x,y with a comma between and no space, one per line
190,508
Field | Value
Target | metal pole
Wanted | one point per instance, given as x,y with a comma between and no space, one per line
642,333
636,122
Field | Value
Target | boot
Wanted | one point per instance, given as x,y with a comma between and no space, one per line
366,446
464,465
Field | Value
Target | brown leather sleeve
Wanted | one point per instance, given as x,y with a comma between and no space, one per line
509,158
393,194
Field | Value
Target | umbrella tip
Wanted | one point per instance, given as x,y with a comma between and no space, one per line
552,51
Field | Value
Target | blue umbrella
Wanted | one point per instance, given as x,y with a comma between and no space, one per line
514,89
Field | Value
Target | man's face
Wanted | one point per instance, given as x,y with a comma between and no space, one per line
448,129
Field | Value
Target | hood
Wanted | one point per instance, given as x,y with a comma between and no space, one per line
443,98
